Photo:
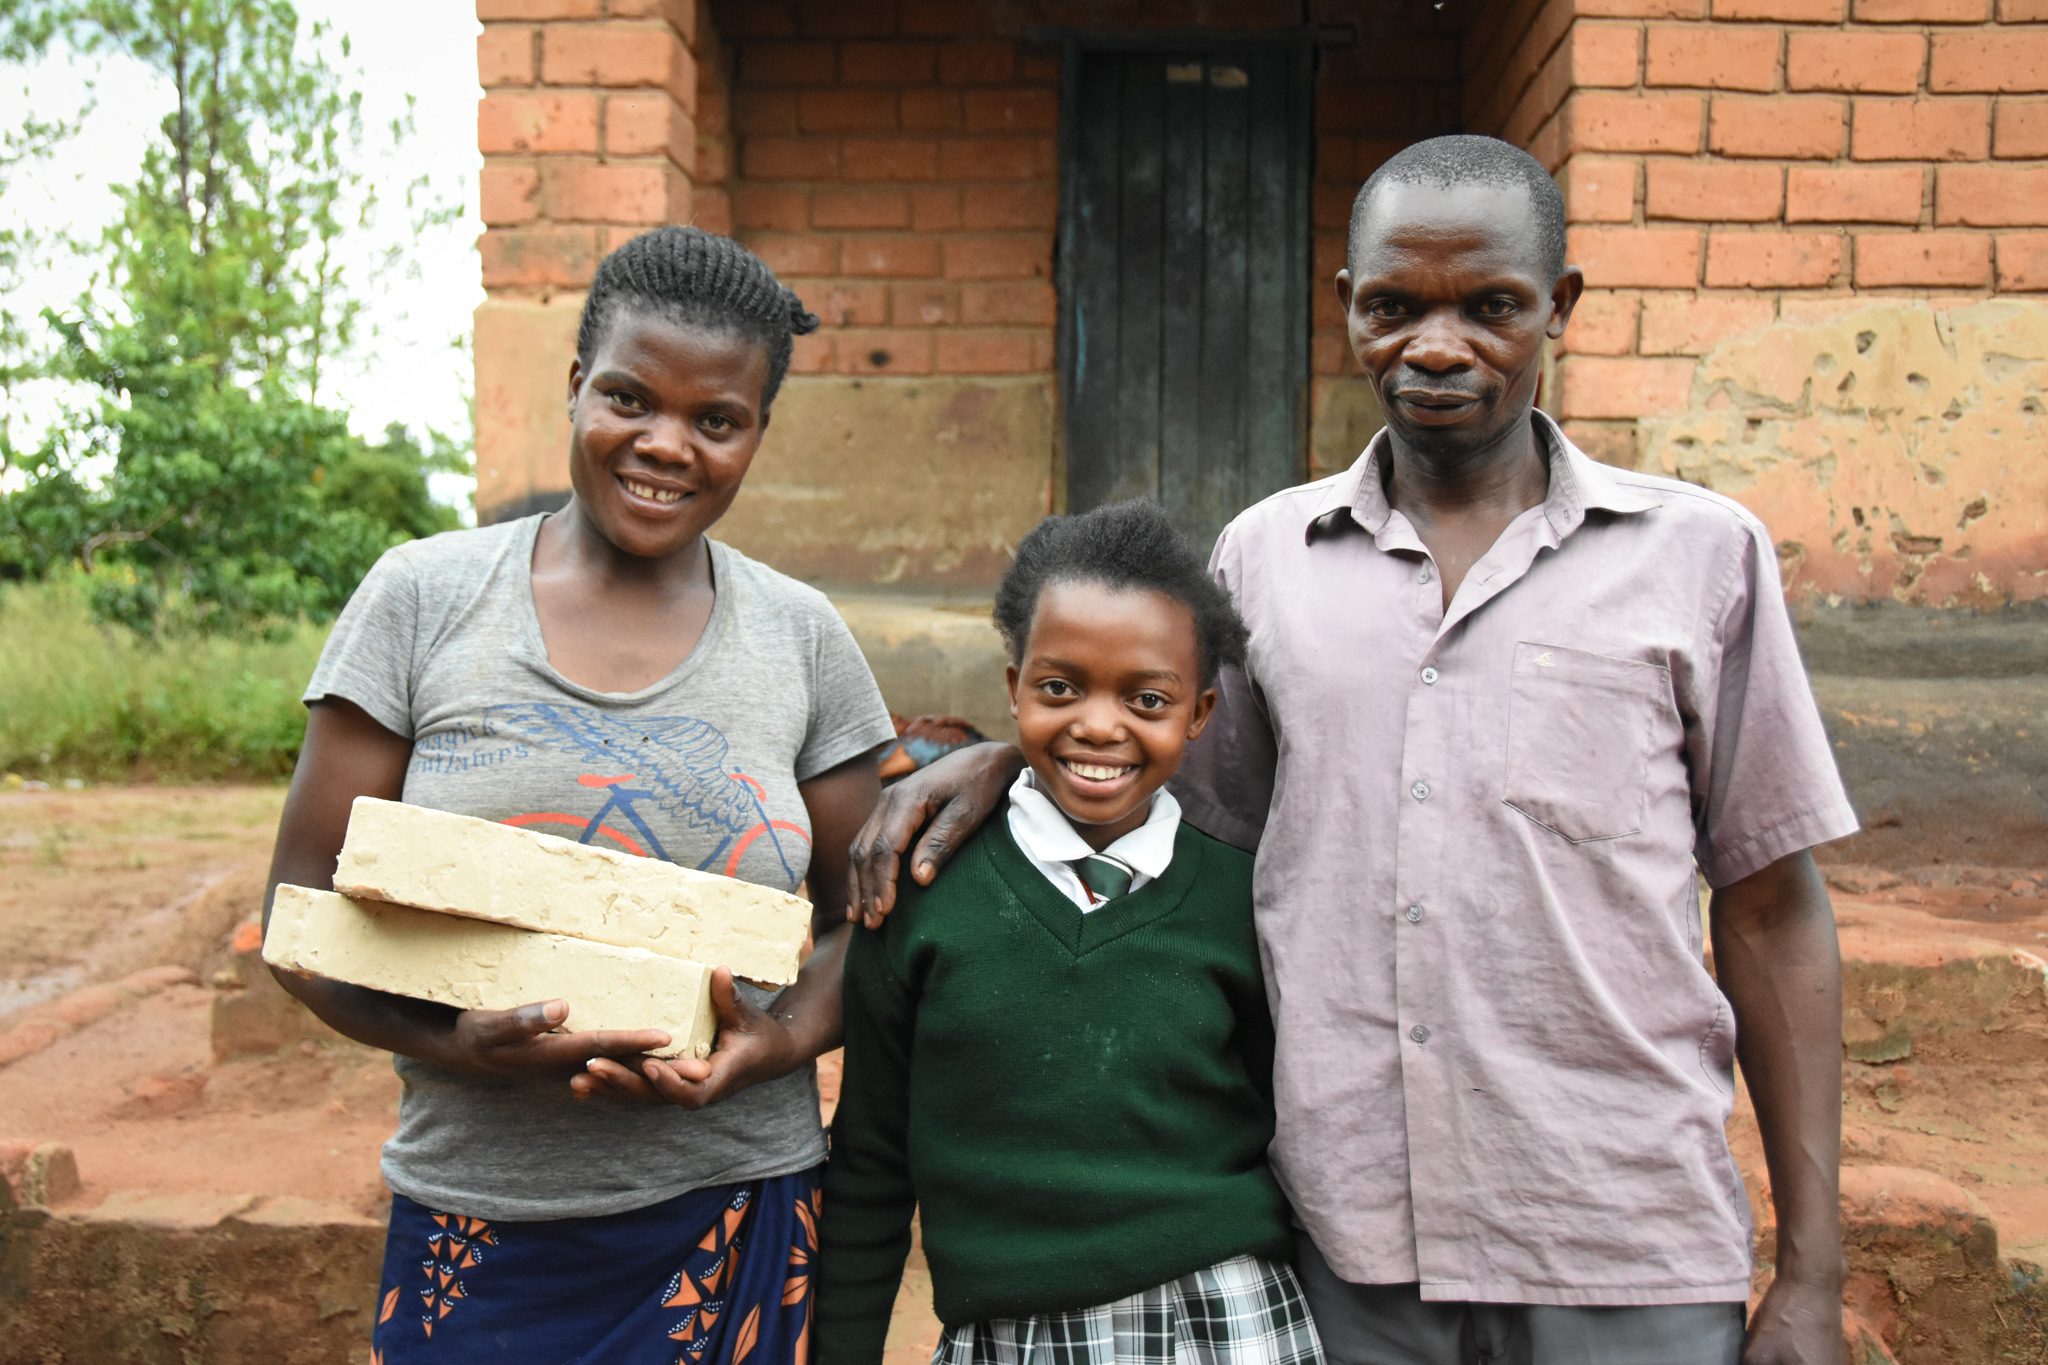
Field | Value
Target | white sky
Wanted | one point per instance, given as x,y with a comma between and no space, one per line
412,361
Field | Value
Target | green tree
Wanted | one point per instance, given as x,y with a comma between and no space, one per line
204,480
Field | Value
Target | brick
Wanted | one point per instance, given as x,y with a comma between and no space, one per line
1007,352
801,254
841,303
1792,127
509,192
763,19
1599,121
979,63
935,209
1785,11
515,125
711,209
1950,129
1604,323
1904,259
1772,260
1994,61
923,305
846,111
764,206
680,15
790,158
1922,11
901,257
1623,257
635,54
489,11
867,18
998,257
811,354
652,125
471,964
1641,9
1608,442
1693,324
993,158
1991,196
1599,189
764,111
1853,194
536,257
460,865
1712,191
888,63
849,208
1602,54
2022,11
1882,63
883,352
1032,204
504,55
1027,110
2022,128
641,192
889,158
929,111
1717,56
1029,303
1623,386
787,64
2023,260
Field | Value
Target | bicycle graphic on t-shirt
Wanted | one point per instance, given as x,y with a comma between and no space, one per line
679,764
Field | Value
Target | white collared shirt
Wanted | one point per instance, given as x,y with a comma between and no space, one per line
1050,841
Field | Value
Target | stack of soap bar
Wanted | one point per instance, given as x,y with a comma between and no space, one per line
460,865
473,964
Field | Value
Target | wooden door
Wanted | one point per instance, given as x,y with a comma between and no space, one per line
1184,251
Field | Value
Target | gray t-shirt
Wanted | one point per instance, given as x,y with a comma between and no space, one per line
441,644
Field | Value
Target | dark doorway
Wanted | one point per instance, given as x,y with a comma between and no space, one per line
1184,242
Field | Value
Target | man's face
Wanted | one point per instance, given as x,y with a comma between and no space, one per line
1448,302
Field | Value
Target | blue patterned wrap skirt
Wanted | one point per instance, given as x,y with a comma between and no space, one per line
718,1276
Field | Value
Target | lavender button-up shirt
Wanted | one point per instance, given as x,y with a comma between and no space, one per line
1502,1069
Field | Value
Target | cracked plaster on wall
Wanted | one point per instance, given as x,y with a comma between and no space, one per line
1897,451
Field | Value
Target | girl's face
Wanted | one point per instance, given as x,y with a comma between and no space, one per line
663,425
1107,697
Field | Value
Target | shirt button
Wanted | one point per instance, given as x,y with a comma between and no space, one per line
1419,1034
1422,574
1421,791
1414,914
1429,676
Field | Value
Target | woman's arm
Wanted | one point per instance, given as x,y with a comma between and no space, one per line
346,755
753,1045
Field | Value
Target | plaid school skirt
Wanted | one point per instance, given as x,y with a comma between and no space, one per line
718,1276
1244,1311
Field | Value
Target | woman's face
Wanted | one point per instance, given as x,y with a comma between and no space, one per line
663,425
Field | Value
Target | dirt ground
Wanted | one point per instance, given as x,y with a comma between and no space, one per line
96,884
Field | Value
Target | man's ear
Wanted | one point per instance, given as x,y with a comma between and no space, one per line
1344,290
1010,676
1205,707
1564,296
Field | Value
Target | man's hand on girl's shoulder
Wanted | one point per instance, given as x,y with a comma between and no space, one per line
949,801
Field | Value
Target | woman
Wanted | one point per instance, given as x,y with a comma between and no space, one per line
610,674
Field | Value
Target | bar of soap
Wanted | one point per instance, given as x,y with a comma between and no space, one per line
461,865
475,965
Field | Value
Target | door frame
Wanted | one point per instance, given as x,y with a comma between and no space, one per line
1303,43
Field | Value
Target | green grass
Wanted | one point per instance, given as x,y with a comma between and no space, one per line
98,703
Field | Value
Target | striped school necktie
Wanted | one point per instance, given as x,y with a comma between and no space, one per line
1104,876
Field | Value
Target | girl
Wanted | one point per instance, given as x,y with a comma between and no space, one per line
1059,1053
610,674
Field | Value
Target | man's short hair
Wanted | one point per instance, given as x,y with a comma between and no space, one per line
1464,159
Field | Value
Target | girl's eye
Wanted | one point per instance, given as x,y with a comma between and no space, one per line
717,424
1055,687
1150,701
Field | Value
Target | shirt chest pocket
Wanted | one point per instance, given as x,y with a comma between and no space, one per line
1580,732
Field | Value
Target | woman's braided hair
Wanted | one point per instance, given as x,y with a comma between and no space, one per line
690,277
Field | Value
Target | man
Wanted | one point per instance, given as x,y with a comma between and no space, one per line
1499,700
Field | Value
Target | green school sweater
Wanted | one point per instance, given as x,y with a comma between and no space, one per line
1078,1104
